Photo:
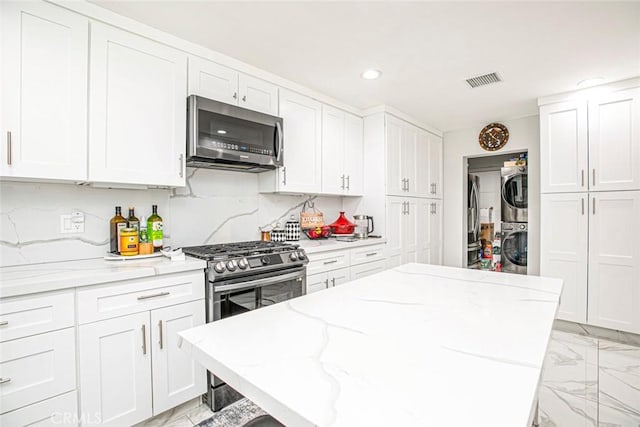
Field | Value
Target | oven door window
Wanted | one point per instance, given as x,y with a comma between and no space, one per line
217,131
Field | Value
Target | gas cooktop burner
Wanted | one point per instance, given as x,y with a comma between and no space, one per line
228,260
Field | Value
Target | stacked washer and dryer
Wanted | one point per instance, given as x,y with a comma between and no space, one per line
514,219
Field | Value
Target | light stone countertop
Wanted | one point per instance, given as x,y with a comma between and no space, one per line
416,345
33,278
331,244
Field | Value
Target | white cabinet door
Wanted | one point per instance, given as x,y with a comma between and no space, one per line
176,376
44,92
367,269
213,81
563,147
338,277
614,141
353,154
410,241
317,282
302,122
435,166
423,162
410,159
137,109
258,95
61,410
395,173
614,260
563,250
115,369
333,138
396,208
434,234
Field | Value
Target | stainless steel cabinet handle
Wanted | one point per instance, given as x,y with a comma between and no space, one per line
582,200
594,176
404,209
594,205
333,281
408,209
408,181
4,322
330,262
144,339
160,328
4,380
348,182
326,283
8,148
161,294
371,254
582,177
235,95
244,98
435,187
342,178
284,175
181,173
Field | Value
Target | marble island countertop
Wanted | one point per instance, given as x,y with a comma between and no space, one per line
417,345
331,244
33,278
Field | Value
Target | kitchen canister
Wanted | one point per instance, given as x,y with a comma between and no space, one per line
292,230
278,234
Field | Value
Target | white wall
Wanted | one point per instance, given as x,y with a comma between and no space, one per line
524,134
214,207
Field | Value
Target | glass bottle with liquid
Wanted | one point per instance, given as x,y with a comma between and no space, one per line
132,220
117,223
154,229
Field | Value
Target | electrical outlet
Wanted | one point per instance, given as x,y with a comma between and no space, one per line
72,223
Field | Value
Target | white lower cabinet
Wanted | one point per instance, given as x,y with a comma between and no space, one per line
115,370
176,377
321,281
363,270
58,411
402,230
36,368
430,231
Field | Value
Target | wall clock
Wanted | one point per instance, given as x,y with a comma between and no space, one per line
493,136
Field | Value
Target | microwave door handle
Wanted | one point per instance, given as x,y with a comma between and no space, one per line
280,137
278,278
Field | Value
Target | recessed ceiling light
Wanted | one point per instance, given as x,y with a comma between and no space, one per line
222,132
371,74
590,82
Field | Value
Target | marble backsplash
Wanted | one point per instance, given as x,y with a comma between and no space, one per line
214,207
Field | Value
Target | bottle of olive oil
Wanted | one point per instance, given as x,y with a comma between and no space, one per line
154,229
116,224
132,221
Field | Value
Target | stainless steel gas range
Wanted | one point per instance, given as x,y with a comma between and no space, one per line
246,276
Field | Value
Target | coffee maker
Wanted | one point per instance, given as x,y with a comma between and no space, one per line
364,226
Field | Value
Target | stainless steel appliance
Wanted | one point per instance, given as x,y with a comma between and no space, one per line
473,221
242,277
364,226
514,247
224,136
514,194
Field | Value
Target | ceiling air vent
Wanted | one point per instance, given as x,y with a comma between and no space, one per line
486,79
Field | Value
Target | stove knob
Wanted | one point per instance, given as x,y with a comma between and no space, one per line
232,265
293,256
243,263
265,260
301,255
521,226
219,267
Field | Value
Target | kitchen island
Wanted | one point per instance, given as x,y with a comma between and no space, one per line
415,345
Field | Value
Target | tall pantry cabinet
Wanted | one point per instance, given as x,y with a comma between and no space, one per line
411,209
590,203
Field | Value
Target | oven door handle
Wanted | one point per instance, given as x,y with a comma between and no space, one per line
259,282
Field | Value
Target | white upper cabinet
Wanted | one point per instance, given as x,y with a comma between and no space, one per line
396,181
563,250
434,160
138,88
214,81
44,92
563,147
614,141
302,126
614,260
341,152
410,162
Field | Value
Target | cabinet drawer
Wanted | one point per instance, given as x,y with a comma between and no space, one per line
367,254
57,411
316,282
34,314
364,270
319,263
134,296
36,368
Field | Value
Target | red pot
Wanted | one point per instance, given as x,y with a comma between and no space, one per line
342,225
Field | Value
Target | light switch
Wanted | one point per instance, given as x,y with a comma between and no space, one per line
72,223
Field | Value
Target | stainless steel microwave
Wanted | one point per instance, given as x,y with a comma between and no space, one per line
224,136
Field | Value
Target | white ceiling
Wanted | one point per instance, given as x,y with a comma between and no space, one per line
425,50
